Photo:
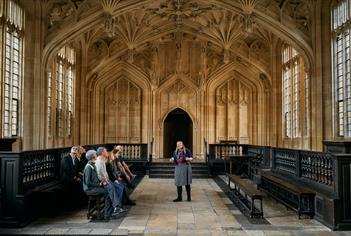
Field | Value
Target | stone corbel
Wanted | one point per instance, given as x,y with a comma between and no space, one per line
226,55
110,25
248,24
248,7
131,52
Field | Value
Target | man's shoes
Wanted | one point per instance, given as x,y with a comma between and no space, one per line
121,210
116,212
189,199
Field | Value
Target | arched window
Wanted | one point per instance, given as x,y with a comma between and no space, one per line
11,43
295,94
341,30
60,93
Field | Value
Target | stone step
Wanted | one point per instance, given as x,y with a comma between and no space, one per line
162,168
166,170
172,165
172,171
171,176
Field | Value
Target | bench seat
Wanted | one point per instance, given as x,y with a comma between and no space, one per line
96,205
289,193
246,186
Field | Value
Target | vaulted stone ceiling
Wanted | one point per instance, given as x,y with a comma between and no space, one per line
215,32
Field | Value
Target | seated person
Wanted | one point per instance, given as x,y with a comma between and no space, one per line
71,179
81,160
114,175
123,173
121,160
115,190
68,169
91,182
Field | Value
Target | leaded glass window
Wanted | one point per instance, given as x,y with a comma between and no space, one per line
295,94
12,33
341,29
63,82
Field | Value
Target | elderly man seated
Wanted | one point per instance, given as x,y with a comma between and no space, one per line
92,184
115,190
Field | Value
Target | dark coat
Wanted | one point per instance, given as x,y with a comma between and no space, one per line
112,171
67,170
81,164
90,177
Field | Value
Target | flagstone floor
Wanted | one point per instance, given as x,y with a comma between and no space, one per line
210,213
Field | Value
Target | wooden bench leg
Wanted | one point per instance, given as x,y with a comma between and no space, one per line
96,204
228,187
252,207
91,205
299,207
100,206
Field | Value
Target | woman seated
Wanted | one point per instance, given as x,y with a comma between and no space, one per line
119,148
115,175
126,177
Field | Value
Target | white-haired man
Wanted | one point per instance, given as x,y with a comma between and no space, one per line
115,193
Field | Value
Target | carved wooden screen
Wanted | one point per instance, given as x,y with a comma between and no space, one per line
123,112
232,111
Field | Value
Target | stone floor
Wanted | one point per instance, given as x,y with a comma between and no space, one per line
210,213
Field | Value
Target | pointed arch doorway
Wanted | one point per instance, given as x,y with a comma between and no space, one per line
177,126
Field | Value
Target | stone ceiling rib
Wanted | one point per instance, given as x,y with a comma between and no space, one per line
137,25
109,5
248,5
116,70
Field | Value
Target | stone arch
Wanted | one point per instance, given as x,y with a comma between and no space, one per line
252,74
178,107
260,90
123,111
180,120
137,75
176,92
104,82
233,103
169,85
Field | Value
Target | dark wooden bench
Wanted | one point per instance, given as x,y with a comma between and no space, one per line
48,196
96,205
292,195
52,187
249,190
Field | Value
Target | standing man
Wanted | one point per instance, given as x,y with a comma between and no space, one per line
182,173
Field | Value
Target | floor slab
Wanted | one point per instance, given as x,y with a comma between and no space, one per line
210,212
